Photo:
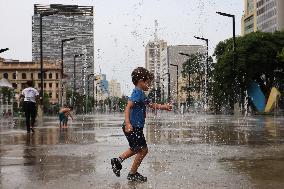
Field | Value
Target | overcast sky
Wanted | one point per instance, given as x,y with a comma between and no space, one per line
122,28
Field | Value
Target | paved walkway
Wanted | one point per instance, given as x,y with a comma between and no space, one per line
184,152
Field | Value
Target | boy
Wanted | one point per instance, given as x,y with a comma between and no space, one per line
64,112
135,113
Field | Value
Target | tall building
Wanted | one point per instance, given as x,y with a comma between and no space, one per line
270,15
169,57
114,89
101,87
153,57
69,21
249,19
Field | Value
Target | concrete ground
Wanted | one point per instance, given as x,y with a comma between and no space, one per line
185,151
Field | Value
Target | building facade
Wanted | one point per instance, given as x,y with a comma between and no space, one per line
249,18
18,73
153,58
101,87
70,21
270,15
114,89
263,15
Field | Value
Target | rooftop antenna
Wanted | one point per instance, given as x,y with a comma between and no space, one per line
156,30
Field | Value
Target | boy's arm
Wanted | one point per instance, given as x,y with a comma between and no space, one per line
167,107
128,127
69,113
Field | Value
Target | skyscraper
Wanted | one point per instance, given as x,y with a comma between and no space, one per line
263,15
153,57
270,15
249,18
69,21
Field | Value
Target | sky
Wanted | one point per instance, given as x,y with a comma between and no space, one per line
122,28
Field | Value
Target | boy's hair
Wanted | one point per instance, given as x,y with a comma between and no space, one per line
141,73
30,83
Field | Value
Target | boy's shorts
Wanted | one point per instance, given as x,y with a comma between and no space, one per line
136,139
62,117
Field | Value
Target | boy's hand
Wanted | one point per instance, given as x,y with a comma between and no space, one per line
169,107
128,128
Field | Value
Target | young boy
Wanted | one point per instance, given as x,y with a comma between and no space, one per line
135,113
64,112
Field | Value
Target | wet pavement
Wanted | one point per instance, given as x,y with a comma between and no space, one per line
190,151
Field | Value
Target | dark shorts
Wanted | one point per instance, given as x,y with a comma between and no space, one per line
62,117
136,139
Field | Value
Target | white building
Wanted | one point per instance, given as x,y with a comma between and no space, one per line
153,57
114,89
270,15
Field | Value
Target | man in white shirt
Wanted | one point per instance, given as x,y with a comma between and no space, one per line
30,98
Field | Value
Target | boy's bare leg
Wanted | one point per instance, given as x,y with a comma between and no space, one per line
127,154
138,159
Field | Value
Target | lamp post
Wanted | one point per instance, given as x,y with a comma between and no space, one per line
185,54
41,15
62,63
74,77
3,50
168,85
234,44
206,68
177,80
88,77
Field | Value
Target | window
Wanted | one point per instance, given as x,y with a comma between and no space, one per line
44,85
44,75
50,76
24,76
14,76
39,76
5,75
50,95
50,85
57,95
57,85
32,76
56,75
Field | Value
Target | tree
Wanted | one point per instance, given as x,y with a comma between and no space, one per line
122,102
46,103
156,98
194,71
258,58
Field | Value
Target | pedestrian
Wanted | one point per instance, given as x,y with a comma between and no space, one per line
64,113
135,113
31,97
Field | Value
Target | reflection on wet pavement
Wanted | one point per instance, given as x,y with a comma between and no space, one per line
186,151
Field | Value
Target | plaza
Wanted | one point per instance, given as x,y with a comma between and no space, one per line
185,151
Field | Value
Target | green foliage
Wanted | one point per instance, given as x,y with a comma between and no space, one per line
152,97
258,57
46,103
82,104
194,69
7,94
122,102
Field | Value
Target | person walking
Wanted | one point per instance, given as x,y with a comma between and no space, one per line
30,95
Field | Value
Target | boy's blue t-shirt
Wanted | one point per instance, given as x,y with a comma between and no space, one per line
138,111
